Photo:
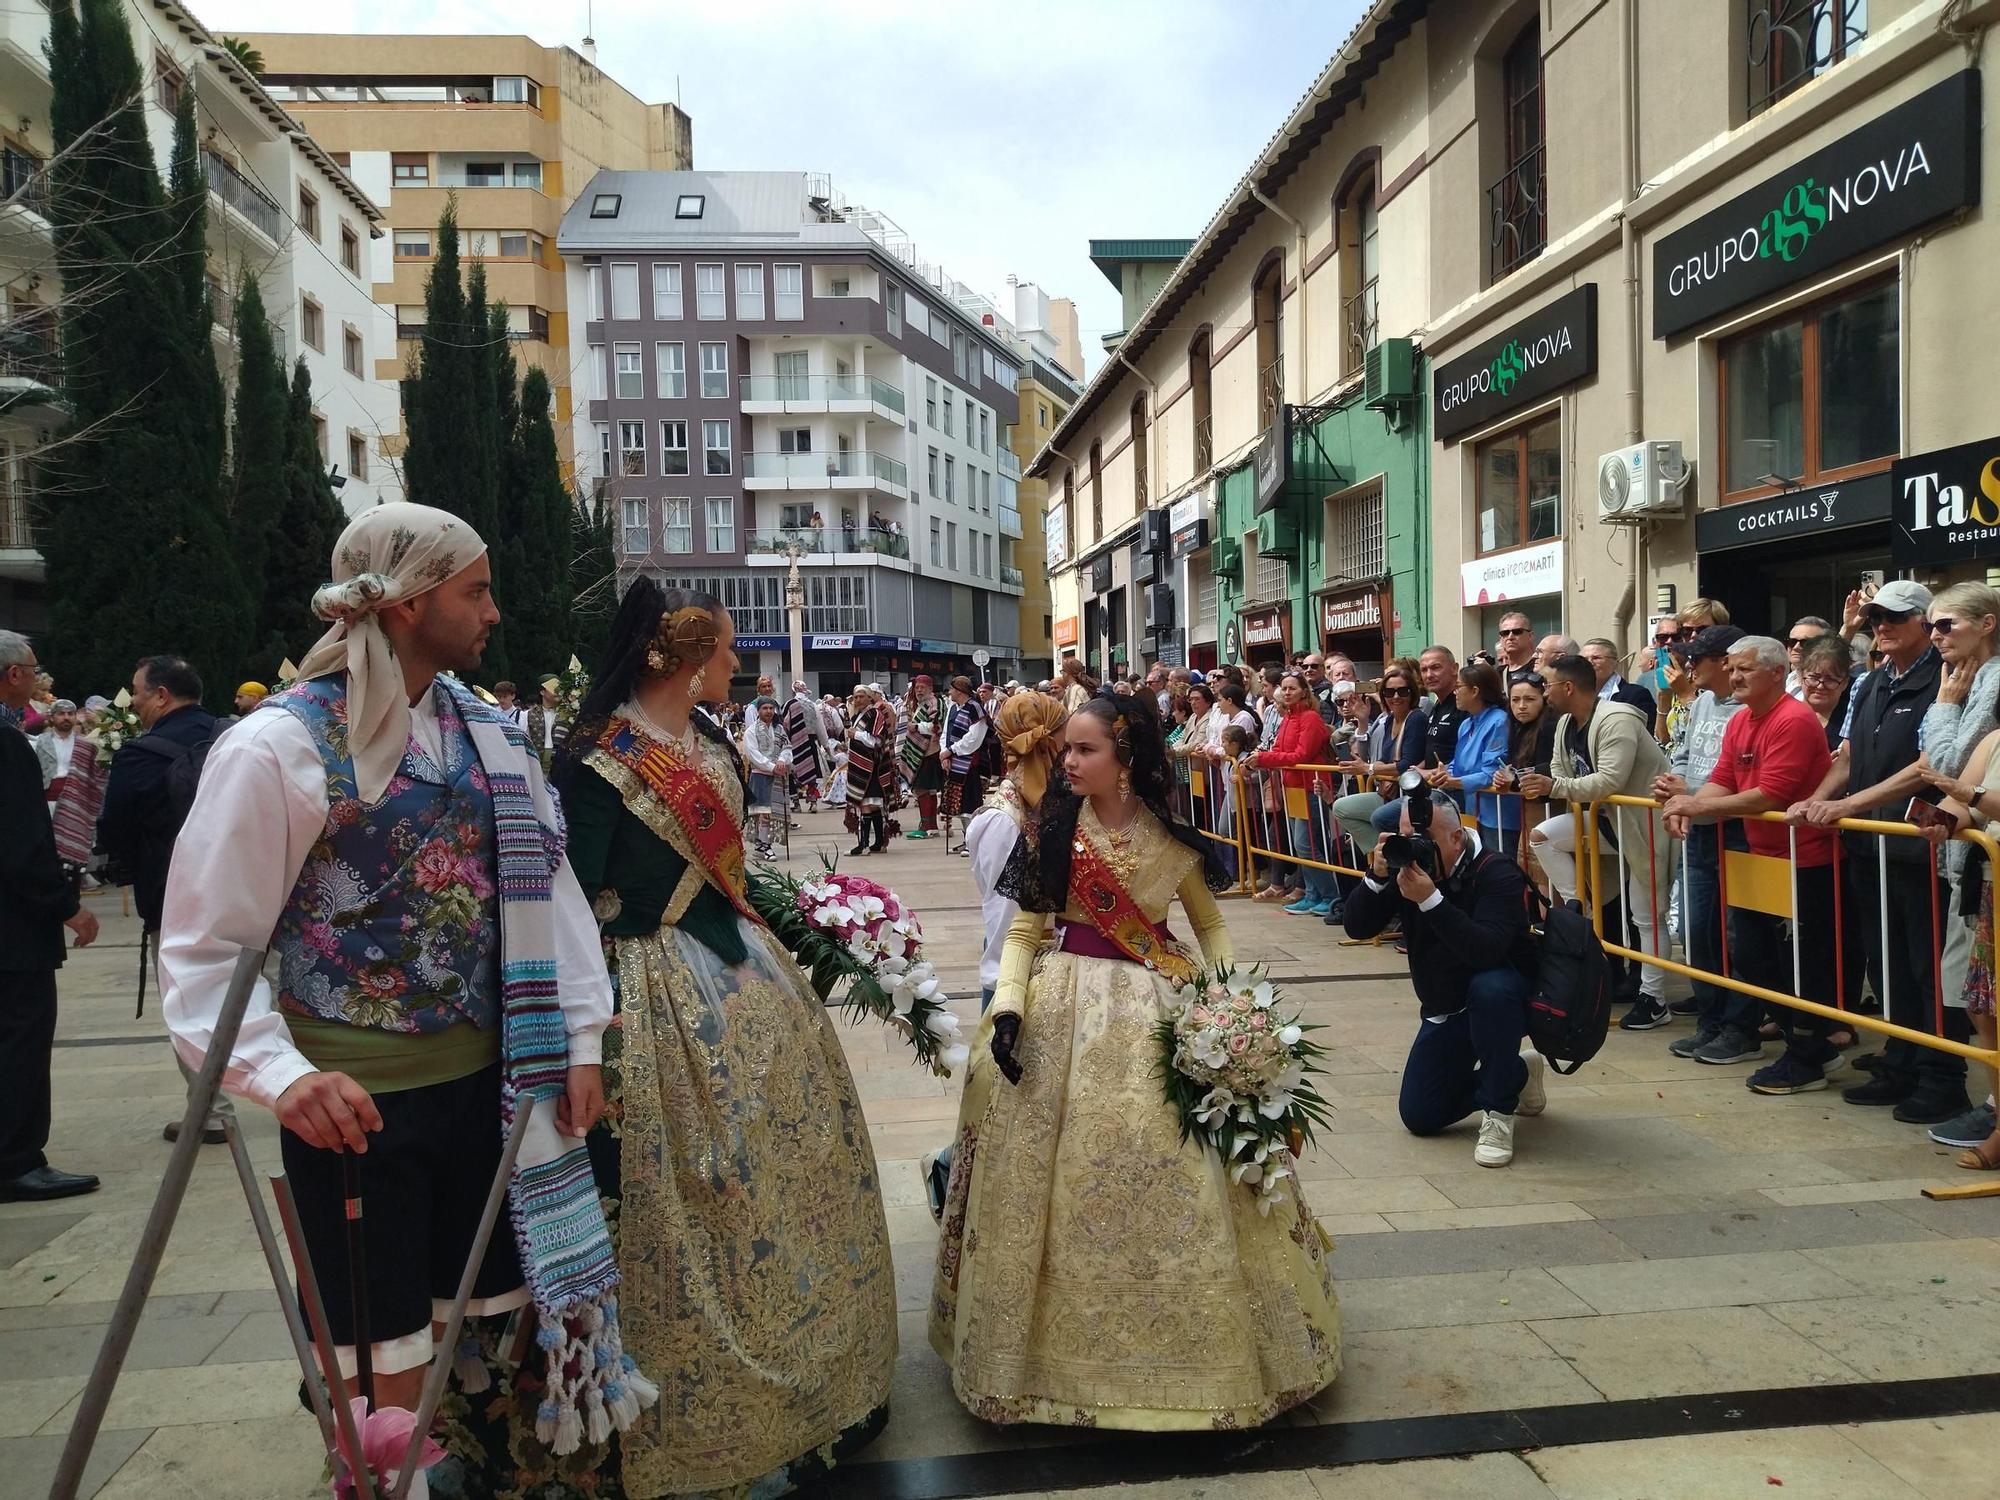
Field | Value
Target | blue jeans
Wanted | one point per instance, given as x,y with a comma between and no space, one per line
1319,883
1701,903
1468,1061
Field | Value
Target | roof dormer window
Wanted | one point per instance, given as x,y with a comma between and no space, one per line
690,205
606,205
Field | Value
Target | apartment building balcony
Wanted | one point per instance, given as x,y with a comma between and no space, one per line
826,471
24,184
1010,523
20,558
248,202
846,544
812,395
1010,577
30,368
1009,464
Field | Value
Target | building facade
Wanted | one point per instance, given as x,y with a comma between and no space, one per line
1044,336
502,126
281,210
765,380
1576,309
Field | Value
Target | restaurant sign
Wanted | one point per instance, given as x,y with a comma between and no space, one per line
1947,504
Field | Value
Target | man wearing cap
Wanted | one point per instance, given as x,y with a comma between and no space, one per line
1726,1025
389,838
55,748
1874,774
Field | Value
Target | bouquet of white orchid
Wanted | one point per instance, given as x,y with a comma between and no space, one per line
1236,1063
844,929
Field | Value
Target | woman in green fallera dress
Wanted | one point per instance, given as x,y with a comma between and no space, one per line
753,1251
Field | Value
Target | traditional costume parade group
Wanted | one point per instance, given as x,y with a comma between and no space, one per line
691,1291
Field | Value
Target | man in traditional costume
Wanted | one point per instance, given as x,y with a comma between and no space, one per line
870,769
389,838
964,737
917,756
805,731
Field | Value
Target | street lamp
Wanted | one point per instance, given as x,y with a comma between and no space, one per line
795,607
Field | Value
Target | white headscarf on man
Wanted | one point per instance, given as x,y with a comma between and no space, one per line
386,555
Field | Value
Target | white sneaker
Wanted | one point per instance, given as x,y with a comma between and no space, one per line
1496,1140
1535,1092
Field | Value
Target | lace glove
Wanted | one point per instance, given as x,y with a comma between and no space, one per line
1006,1032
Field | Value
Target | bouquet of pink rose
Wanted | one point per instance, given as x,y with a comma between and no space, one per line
1236,1063
849,931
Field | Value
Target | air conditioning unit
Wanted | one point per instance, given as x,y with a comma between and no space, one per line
1225,557
1146,567
1389,374
1160,607
1278,534
1647,479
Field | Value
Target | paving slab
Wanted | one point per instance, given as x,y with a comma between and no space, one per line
1945,1458
1810,1461
29,1463
1628,1355
1380,1302
1435,1251
1482,1476
1909,1337
1409,1372
1737,1280
1775,1228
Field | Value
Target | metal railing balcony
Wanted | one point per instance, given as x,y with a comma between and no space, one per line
17,520
1270,391
23,181
29,351
1517,215
824,541
243,195
820,388
826,468
1204,442
1358,324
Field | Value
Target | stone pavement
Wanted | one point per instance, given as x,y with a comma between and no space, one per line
1663,1237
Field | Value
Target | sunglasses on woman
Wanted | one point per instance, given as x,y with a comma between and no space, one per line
1398,692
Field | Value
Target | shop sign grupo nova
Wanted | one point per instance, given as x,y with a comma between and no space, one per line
1947,504
1916,163
1544,352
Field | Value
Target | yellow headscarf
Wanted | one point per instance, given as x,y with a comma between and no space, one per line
1028,724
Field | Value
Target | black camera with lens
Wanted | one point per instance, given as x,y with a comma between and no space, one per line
1403,849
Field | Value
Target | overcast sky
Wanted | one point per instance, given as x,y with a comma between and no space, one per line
1002,137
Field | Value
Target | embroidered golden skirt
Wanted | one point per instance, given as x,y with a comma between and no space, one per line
757,1287
1094,1270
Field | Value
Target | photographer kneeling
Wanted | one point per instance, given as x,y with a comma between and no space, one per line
1465,917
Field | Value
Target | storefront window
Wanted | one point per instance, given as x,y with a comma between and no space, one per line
1815,396
1520,485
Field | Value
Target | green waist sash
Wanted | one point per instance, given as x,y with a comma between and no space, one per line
386,1062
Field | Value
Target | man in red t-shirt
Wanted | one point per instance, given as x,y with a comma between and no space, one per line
1772,754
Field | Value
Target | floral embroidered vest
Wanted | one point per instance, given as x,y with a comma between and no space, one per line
394,923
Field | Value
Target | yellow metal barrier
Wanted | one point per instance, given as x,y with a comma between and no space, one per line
1757,874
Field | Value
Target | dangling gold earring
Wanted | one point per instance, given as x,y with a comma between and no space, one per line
1125,785
694,686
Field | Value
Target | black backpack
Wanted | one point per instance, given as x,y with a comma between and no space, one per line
1569,1009
184,767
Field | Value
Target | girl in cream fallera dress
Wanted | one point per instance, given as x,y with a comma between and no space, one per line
1095,1269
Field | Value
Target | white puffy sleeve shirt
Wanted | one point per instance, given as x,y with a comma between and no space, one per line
261,808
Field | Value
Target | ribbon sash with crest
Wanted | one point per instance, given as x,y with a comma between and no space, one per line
703,830
1098,893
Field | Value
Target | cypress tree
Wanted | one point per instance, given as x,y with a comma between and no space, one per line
483,447
541,532
258,445
594,580
187,201
301,545
138,559
440,465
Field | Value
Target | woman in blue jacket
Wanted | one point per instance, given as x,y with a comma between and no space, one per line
1482,748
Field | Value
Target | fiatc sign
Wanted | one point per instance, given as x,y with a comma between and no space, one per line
1544,352
1914,164
1947,504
